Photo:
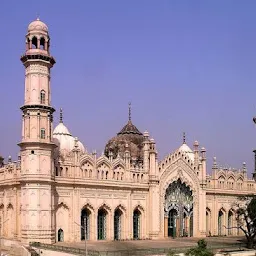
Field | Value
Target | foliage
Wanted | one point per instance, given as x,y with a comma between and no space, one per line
246,217
171,253
200,250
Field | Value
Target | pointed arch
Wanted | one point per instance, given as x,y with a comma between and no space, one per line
88,206
86,157
103,160
105,207
62,204
121,207
62,212
103,221
208,221
87,166
103,167
9,220
118,162
139,207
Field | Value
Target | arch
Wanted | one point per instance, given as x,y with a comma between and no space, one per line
103,160
137,223
178,209
231,222
118,219
9,220
118,162
86,158
42,43
102,223
121,207
62,220
34,43
186,175
85,223
88,206
42,97
221,222
60,235
208,222
230,182
103,166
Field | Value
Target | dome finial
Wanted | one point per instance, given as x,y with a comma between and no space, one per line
130,112
61,116
38,16
184,138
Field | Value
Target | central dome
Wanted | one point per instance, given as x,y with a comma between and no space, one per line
129,138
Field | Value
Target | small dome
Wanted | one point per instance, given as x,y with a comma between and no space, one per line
61,129
37,26
64,139
187,150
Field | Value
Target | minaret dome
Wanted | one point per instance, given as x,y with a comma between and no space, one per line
37,37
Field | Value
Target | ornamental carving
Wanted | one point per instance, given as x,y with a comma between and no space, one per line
36,68
179,196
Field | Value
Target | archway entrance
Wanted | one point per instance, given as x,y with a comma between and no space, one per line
60,235
178,210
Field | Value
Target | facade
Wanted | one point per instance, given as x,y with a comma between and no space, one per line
57,191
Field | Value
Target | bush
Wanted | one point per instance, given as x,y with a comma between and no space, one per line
200,250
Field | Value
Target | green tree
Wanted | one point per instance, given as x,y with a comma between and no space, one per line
246,218
200,250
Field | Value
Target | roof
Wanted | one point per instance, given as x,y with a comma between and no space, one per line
129,128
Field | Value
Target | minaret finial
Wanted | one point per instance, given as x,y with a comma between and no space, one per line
184,138
130,114
61,116
37,16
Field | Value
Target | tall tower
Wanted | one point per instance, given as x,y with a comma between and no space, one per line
36,146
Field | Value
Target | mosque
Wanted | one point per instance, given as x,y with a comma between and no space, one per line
58,191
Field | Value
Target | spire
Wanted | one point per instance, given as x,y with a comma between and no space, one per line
129,116
184,138
61,116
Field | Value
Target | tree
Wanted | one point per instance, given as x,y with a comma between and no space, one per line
246,217
200,250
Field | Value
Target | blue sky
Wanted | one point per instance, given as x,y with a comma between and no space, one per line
185,66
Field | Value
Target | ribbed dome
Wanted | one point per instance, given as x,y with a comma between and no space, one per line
129,138
64,139
37,26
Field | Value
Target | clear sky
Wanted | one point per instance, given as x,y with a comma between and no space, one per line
185,66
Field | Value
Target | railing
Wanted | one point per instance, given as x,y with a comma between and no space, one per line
137,252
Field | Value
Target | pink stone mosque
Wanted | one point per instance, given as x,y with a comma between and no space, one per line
58,191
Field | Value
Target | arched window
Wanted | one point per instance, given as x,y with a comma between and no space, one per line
42,134
220,223
34,43
60,235
85,224
117,224
42,97
136,224
42,43
102,224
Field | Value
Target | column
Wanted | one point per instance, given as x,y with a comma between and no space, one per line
165,226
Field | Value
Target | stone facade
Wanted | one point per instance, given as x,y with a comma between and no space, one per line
57,191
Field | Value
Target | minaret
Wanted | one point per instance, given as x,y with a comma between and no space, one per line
36,146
